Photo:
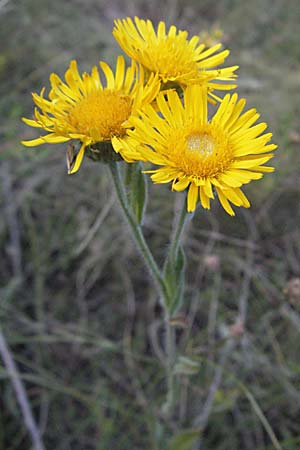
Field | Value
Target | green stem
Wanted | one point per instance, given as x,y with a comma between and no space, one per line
137,232
170,344
178,230
170,341
171,357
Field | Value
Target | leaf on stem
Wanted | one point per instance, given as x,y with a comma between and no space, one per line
136,183
174,277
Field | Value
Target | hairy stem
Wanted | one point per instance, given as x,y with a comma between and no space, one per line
170,343
157,274
137,232
180,221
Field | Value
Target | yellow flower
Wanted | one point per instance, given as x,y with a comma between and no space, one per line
201,155
82,108
172,56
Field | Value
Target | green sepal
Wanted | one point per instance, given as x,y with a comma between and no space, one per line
136,183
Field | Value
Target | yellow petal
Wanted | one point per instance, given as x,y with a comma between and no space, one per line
110,79
225,203
181,185
78,160
204,198
192,197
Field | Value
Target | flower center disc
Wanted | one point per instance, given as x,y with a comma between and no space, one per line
171,58
207,153
203,145
202,152
101,114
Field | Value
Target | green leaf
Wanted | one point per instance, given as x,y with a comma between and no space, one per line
185,439
187,366
136,183
180,261
174,276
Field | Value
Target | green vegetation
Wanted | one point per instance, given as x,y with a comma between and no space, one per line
76,306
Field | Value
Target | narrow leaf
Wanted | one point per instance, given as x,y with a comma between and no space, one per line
185,439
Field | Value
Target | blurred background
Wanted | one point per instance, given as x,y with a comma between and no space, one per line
77,309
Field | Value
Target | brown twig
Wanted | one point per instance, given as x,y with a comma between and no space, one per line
21,395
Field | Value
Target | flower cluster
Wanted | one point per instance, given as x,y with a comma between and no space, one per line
156,110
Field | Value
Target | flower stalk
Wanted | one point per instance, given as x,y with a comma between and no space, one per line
137,231
170,265
165,284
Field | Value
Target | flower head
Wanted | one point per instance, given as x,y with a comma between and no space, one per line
172,56
198,154
82,108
